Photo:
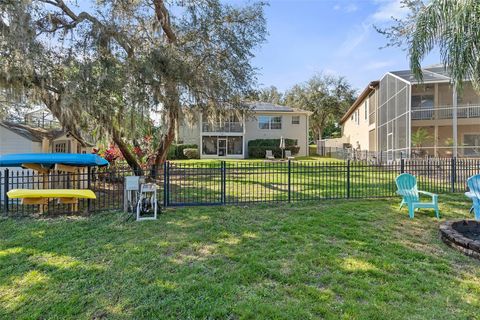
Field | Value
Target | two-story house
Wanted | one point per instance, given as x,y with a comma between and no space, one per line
402,116
229,139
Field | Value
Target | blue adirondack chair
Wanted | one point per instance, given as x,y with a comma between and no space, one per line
473,184
407,188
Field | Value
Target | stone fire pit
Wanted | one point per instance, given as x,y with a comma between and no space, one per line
463,235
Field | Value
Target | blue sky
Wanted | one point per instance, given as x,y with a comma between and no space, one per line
337,37
331,36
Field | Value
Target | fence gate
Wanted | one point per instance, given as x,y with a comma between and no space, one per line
188,184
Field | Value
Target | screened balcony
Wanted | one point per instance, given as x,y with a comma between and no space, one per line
446,112
228,127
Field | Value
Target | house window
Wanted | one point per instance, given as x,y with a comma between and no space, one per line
471,142
295,119
60,147
276,123
209,145
423,102
422,107
234,145
366,110
266,122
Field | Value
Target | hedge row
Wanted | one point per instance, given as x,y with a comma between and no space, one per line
175,152
312,150
191,153
258,148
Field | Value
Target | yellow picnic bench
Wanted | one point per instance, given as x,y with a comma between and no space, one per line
64,196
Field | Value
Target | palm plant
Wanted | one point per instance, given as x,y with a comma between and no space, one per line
453,26
450,25
418,138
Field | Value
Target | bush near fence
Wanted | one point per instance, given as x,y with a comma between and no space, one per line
257,148
175,151
191,153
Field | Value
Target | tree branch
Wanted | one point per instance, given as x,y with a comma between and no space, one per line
82,16
164,18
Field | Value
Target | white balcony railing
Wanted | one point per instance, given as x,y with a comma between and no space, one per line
223,127
446,112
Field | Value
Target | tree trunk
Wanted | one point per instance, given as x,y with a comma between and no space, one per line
317,132
127,154
166,139
172,94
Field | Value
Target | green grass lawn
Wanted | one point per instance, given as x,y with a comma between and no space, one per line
330,259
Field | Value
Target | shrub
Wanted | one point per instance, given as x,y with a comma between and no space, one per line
312,151
191,153
257,148
175,152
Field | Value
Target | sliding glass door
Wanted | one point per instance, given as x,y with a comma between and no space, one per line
222,146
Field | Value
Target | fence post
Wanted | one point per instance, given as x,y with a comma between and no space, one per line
453,175
402,165
165,184
89,186
224,181
348,178
153,171
5,188
289,180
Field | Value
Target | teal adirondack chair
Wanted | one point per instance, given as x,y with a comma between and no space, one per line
407,188
473,184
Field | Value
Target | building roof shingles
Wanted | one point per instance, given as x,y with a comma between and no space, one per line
32,133
430,74
270,107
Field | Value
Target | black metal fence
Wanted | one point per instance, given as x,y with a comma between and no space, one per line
341,153
106,183
218,183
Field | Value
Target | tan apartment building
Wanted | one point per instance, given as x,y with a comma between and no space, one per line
229,138
407,117
360,119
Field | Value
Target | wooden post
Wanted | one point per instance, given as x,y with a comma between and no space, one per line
74,171
43,206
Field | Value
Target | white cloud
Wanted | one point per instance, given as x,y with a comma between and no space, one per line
348,8
385,10
355,39
351,8
374,65
388,9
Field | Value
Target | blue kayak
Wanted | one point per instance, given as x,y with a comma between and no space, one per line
48,160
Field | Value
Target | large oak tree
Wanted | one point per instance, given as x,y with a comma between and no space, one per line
327,97
120,66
